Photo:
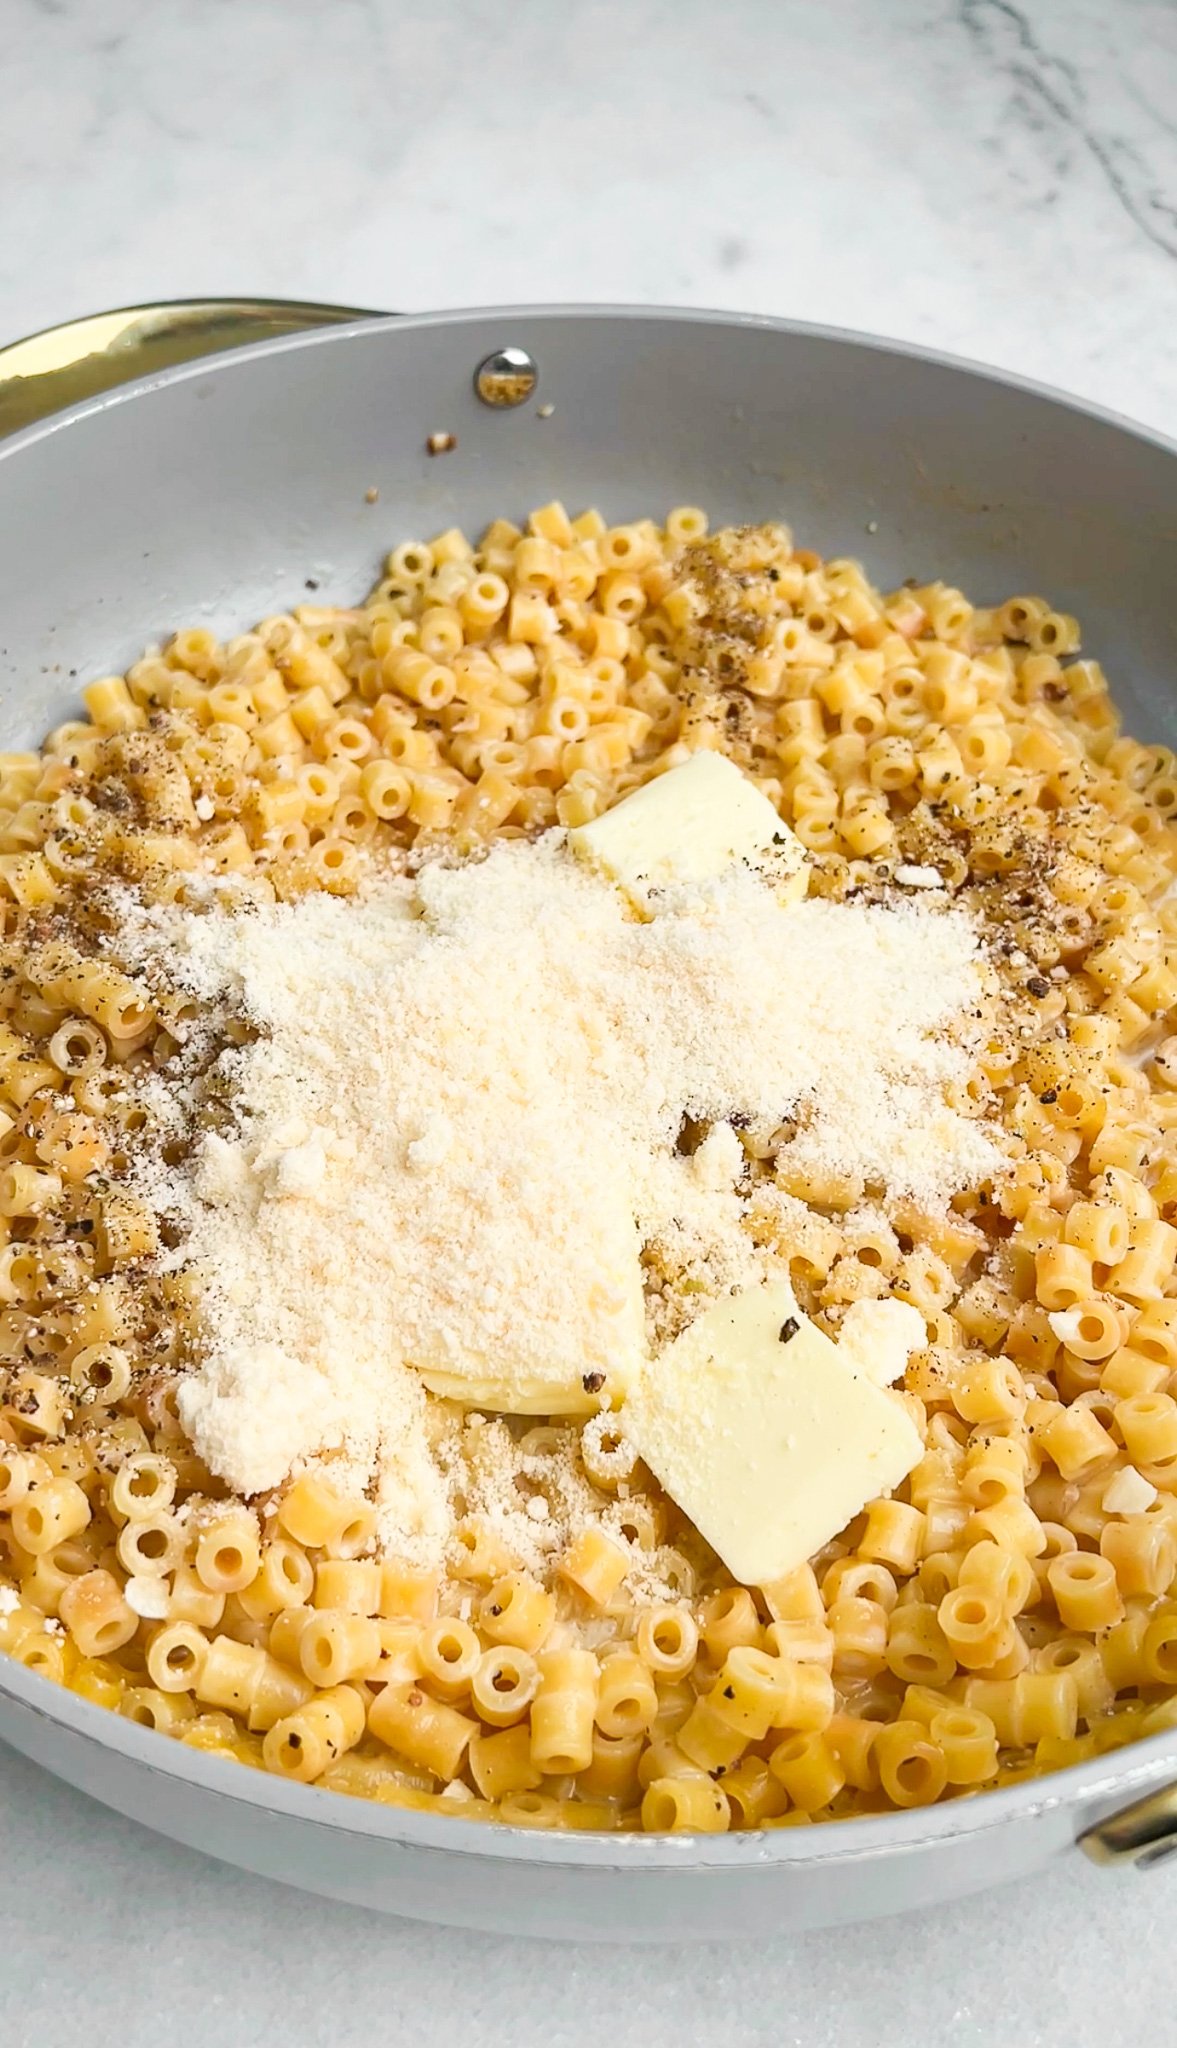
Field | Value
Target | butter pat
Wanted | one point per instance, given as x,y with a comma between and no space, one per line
1128,1493
688,826
504,1390
514,1394
600,1377
763,1435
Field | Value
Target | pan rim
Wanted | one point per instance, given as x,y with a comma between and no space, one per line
869,1839
874,1838
685,316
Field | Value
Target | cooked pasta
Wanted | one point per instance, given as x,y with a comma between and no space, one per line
1011,1607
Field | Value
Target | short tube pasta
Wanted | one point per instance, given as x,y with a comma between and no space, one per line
564,1709
568,1650
689,1805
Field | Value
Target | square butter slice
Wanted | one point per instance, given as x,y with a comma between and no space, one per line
688,825
592,1362
763,1435
513,1394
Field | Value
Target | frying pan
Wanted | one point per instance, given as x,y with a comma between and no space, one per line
213,490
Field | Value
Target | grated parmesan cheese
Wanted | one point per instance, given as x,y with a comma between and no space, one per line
454,1139
147,1597
911,876
877,1338
1066,1324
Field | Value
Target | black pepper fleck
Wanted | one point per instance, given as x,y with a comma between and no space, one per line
593,1382
789,1329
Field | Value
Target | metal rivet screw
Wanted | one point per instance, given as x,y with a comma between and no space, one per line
506,377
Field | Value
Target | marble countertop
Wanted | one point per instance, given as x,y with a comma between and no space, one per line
996,180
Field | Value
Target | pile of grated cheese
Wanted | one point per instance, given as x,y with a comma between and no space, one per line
455,1136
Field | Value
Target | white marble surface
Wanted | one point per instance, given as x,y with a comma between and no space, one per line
997,180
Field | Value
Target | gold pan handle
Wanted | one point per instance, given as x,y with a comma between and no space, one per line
47,372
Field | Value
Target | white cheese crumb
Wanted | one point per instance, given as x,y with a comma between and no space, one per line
294,1162
147,1597
878,1337
720,1159
9,1599
1128,1492
1066,1324
255,1408
204,808
428,1151
220,1170
912,877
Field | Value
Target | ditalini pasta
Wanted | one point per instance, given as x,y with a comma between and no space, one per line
578,1312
